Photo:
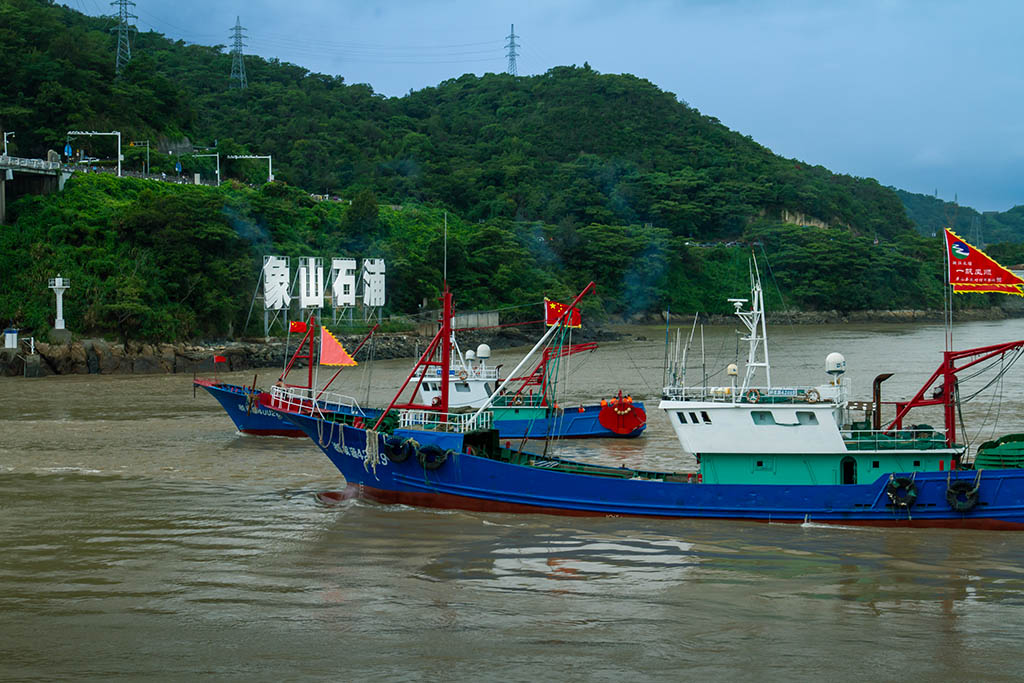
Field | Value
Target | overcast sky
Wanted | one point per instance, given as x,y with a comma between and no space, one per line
924,95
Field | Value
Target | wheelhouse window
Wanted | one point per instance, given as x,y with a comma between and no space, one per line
704,416
806,417
762,417
461,386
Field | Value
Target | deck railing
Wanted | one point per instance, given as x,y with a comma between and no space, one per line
308,401
477,373
903,439
451,422
791,394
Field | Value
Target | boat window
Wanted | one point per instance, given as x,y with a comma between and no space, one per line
487,388
917,463
806,417
762,417
707,418
461,386
875,464
681,417
693,418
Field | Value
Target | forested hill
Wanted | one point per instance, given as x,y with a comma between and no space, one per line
931,214
570,146
548,182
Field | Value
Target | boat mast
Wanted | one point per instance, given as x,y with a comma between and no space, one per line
757,337
562,320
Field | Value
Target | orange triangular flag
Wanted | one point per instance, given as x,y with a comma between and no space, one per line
331,350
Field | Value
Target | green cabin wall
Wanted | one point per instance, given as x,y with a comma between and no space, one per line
775,468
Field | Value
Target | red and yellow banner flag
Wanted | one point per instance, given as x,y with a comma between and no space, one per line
297,326
331,350
972,270
553,311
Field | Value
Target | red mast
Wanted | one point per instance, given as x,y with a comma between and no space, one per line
442,341
946,394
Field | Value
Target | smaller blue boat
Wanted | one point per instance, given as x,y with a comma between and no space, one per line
525,409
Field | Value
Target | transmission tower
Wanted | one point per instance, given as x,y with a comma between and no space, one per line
123,29
511,38
237,63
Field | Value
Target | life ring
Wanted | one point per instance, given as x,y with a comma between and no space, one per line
753,396
962,488
406,449
812,396
436,401
463,374
518,401
431,457
905,484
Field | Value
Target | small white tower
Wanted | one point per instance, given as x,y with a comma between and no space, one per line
59,285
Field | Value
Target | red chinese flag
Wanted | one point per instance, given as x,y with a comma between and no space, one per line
972,270
220,359
297,326
553,310
331,350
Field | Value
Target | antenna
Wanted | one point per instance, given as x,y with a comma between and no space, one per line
446,250
512,54
124,29
237,63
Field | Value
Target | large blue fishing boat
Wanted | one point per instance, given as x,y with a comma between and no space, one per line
776,454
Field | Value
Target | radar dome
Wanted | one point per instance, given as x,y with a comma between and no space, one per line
835,364
470,355
732,370
483,351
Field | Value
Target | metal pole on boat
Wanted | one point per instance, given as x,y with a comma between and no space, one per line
540,342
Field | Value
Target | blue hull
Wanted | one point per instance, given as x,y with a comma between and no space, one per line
472,482
251,418
571,424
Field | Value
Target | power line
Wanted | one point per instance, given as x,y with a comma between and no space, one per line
237,63
123,28
511,45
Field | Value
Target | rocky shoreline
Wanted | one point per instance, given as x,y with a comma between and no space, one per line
97,356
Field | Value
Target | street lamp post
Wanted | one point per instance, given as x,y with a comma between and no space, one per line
146,143
92,132
215,155
6,135
270,162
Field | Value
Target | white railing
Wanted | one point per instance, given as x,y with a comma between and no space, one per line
303,400
35,164
802,394
895,439
460,373
451,422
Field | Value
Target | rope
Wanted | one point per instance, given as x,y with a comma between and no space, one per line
372,452
636,367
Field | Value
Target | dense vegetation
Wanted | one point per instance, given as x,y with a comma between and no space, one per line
150,260
930,215
550,181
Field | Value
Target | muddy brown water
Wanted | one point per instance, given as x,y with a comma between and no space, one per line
143,538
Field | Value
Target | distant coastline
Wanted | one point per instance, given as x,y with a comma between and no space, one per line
97,356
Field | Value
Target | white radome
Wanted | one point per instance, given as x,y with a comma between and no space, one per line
835,363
